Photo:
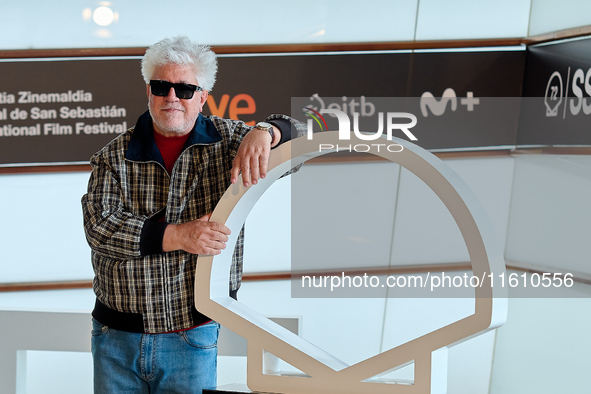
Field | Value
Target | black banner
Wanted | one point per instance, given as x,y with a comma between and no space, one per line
556,107
272,81
55,111
480,90
62,111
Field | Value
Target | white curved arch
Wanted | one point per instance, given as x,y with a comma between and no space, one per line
326,373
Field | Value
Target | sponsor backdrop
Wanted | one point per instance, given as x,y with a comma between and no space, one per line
556,107
55,111
63,110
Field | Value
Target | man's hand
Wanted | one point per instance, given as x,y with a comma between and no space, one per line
253,156
199,236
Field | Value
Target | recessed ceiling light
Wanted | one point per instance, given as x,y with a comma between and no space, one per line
103,16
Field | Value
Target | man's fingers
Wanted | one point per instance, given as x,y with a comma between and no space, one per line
205,218
254,172
218,227
201,236
258,165
214,247
213,226
264,163
246,176
211,251
221,237
252,158
211,245
235,171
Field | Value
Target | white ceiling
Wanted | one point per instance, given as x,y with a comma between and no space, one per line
32,24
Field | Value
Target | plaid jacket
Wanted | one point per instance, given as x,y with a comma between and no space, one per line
129,189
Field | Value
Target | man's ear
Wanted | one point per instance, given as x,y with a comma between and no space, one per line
148,90
203,100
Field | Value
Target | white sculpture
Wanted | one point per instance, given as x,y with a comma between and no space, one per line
325,373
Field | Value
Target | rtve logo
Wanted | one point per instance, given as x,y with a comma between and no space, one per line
556,94
438,107
241,104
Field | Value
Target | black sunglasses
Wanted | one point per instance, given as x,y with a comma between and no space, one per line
183,91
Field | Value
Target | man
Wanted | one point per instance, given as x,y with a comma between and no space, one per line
146,217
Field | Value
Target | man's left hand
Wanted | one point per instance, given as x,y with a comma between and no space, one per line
252,157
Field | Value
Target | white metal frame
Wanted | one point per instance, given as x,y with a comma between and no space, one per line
324,372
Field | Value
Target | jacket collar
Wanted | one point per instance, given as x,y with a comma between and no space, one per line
142,146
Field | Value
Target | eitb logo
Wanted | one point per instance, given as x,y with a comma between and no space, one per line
392,124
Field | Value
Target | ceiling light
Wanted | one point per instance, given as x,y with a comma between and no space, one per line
103,16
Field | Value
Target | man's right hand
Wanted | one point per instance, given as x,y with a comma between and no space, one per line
199,236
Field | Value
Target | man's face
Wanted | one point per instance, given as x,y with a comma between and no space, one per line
171,115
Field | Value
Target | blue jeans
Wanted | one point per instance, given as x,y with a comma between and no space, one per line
126,362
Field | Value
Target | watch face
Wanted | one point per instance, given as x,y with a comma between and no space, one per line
263,125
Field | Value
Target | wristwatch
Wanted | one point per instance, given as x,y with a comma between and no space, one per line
266,126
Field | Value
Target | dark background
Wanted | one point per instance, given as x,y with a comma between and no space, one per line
509,83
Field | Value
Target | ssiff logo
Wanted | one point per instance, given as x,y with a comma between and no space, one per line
557,94
315,117
553,96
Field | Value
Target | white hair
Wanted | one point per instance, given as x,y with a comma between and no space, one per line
180,50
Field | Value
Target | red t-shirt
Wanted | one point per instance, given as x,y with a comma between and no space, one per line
170,148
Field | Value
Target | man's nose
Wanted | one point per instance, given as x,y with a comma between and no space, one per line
171,95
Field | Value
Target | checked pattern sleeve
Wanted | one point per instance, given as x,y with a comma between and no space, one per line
111,230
